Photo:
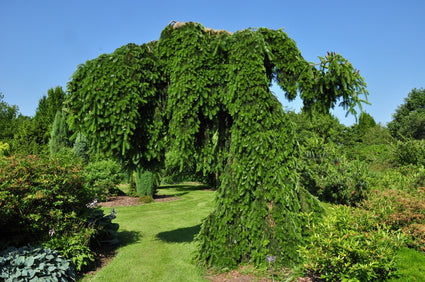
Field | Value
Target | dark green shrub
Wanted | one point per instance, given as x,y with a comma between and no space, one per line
102,178
348,246
79,240
146,183
327,174
105,229
81,147
410,152
72,241
34,264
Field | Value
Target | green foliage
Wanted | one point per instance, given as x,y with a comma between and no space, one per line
45,201
115,100
402,209
377,135
146,183
36,195
410,266
81,148
145,199
106,230
59,137
366,121
78,239
409,118
347,246
4,149
45,114
324,126
410,152
204,94
326,173
8,119
32,135
72,241
102,178
34,264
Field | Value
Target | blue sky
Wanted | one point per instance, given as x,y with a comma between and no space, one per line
42,42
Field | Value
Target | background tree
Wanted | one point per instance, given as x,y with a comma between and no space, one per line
59,138
9,119
324,126
409,118
46,112
205,94
34,134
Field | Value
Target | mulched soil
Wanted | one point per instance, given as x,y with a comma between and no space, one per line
124,201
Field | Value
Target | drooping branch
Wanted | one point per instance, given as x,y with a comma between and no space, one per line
204,94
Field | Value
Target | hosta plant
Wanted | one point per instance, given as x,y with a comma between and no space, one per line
34,264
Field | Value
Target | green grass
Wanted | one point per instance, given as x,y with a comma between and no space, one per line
411,266
157,238
157,241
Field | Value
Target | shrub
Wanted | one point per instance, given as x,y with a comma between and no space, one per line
37,194
44,201
346,245
327,174
410,152
102,178
34,264
73,242
4,149
401,209
81,147
146,183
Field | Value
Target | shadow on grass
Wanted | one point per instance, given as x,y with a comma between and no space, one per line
161,196
186,187
181,235
126,237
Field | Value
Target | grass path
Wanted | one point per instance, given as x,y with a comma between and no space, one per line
157,238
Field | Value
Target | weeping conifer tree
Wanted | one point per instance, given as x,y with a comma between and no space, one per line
205,94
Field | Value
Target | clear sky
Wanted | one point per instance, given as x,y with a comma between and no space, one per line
42,42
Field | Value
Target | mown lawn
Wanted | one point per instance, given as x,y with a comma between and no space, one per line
157,238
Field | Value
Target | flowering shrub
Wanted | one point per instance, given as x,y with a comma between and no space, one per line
44,201
37,194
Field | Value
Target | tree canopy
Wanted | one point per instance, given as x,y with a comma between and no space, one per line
8,119
205,94
409,118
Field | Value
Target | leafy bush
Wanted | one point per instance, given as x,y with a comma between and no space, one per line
410,152
102,178
347,245
73,243
79,241
401,209
105,229
4,149
327,174
81,147
44,201
37,194
31,264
